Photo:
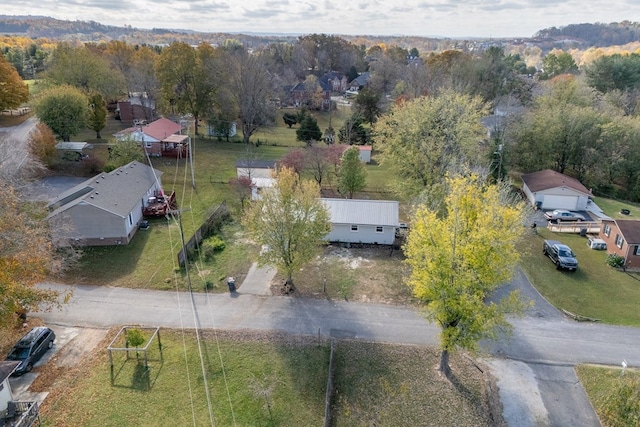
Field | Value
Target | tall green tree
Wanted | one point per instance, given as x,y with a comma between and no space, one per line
610,72
188,79
555,64
13,91
309,131
352,175
64,109
367,105
353,131
85,69
97,119
561,131
124,152
421,139
291,221
459,254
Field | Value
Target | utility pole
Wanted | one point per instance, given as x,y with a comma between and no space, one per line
184,122
499,153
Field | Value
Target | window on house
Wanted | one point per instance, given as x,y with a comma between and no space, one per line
354,228
130,220
637,250
619,241
148,144
607,230
379,229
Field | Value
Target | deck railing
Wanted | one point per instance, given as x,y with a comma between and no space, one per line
590,227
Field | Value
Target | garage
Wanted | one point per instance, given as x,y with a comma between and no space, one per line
548,189
560,202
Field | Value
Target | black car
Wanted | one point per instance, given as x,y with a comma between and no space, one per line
31,347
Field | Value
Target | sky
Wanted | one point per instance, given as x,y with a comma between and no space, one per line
443,18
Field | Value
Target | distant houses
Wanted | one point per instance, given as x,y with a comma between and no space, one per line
160,138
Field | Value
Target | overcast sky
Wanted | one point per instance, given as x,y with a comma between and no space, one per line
447,18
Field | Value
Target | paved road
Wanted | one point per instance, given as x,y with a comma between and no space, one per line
14,149
538,385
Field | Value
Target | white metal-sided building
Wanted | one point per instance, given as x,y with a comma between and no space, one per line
362,221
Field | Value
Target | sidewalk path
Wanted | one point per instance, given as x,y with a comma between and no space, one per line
258,280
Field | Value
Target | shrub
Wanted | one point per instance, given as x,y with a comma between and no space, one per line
212,245
135,337
615,260
92,166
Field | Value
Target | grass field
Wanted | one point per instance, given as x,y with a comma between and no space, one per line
149,261
595,290
265,379
612,392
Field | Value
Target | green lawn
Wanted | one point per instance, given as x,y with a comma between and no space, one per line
612,208
612,394
595,290
266,379
240,370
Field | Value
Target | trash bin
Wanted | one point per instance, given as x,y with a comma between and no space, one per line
583,232
231,282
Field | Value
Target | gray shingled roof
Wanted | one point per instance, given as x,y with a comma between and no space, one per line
256,164
363,212
117,192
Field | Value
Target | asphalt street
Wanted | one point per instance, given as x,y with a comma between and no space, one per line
534,366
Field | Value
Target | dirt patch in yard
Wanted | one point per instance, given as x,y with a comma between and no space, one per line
366,273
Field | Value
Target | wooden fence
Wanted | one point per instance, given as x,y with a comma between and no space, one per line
211,224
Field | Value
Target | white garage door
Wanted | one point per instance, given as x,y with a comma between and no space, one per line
560,202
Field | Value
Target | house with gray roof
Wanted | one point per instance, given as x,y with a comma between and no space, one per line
106,209
362,221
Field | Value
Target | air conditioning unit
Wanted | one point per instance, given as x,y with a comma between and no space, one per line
598,244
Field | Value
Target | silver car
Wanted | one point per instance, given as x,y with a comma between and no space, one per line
563,215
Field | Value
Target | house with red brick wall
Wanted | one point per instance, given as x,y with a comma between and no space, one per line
623,238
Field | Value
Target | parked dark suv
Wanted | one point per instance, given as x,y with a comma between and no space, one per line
31,347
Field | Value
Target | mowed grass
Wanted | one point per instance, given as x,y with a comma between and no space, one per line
595,290
150,260
265,379
603,385
612,208
252,379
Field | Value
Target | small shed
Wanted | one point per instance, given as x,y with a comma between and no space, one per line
362,221
255,168
365,153
548,189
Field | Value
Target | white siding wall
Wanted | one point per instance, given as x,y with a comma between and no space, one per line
364,234
574,200
5,395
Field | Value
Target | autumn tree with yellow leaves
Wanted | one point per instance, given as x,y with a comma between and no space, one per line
289,221
27,256
459,253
